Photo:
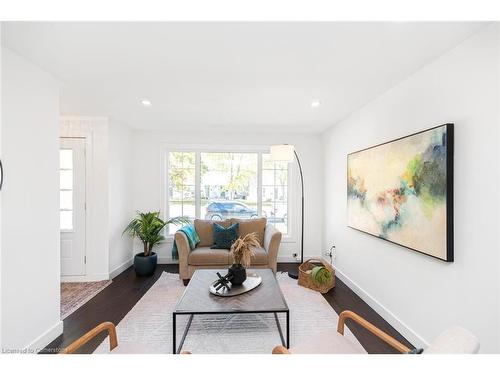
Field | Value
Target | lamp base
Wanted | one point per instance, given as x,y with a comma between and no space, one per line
294,274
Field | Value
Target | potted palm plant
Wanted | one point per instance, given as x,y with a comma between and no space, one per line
148,227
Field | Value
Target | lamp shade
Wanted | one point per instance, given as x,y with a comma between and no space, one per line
282,153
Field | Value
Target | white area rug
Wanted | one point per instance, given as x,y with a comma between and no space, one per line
149,323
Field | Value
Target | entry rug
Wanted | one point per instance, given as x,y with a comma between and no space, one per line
149,323
74,295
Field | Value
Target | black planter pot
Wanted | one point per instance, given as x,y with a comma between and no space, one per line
239,274
145,266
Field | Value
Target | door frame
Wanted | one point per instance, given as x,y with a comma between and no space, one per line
95,130
88,175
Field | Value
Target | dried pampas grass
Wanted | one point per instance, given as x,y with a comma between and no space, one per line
241,250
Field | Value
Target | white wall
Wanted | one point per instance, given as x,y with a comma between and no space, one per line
1,155
30,205
95,130
120,196
419,295
149,168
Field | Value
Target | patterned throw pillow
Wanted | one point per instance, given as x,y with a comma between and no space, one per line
225,237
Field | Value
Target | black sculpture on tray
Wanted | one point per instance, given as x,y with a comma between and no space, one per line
228,286
223,281
235,276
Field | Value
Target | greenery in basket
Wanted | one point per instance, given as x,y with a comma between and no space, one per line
321,275
148,227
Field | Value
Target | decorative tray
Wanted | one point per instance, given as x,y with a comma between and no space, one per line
253,281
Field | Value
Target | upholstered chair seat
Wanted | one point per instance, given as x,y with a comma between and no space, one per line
327,343
455,340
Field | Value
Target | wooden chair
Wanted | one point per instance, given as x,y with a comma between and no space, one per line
454,340
343,345
106,326
113,342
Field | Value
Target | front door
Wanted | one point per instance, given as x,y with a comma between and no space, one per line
72,206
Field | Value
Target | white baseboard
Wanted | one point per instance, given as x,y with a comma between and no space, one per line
397,323
122,267
290,259
85,278
45,338
166,260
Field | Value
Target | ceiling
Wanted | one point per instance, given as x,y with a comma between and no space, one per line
229,76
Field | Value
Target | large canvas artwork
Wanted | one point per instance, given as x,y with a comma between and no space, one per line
402,191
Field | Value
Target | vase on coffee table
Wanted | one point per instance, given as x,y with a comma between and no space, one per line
239,273
242,252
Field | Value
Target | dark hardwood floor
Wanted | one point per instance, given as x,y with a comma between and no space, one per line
116,300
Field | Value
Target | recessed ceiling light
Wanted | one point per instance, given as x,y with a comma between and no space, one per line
146,102
315,103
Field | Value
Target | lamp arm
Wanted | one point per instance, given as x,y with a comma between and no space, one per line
300,170
302,208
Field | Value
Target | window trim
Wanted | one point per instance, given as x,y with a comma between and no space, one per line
72,209
166,148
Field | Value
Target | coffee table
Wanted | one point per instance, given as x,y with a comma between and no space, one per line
267,298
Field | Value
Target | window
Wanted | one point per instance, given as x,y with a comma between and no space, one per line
230,178
66,189
181,186
275,192
221,185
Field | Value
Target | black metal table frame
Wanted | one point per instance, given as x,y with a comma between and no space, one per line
192,314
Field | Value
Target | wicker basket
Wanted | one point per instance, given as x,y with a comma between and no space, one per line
305,278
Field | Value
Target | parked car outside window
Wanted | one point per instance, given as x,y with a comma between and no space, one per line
228,209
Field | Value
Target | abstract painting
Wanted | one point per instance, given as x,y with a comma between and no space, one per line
402,191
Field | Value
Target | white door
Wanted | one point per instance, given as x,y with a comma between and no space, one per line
72,206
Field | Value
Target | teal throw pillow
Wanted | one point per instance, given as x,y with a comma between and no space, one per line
225,237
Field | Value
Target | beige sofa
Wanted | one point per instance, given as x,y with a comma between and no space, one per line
205,257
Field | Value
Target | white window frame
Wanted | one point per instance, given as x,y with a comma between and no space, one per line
292,203
67,230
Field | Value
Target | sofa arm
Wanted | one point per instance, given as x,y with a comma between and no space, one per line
183,249
272,240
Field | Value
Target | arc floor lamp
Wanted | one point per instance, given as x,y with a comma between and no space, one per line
285,152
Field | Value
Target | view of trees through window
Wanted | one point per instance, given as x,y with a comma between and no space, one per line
227,186
275,192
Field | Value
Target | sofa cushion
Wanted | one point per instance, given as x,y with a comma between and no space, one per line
204,228
252,225
205,256
259,259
